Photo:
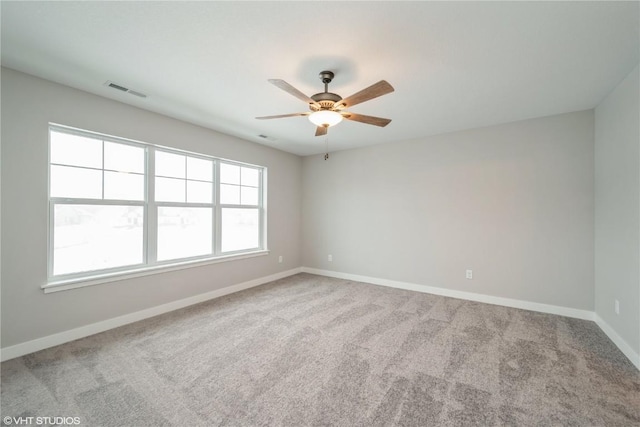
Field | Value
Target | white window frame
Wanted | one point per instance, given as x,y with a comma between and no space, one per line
220,205
154,205
150,264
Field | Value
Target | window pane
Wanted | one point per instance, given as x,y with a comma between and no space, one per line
123,186
170,190
169,164
229,174
90,237
76,150
249,196
184,232
229,194
199,169
240,229
199,192
123,158
76,182
250,177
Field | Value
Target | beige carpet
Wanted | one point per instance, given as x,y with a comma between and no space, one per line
310,350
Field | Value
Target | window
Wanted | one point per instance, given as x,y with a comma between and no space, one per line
118,205
239,201
184,199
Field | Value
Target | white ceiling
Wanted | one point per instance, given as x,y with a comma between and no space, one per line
454,65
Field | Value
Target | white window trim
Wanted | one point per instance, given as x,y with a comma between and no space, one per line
150,264
97,279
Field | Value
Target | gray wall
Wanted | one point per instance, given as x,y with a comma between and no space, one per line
512,202
28,105
617,211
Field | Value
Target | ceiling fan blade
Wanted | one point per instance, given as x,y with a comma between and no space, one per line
291,90
373,91
370,120
280,116
321,130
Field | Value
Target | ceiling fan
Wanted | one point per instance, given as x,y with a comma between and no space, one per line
328,109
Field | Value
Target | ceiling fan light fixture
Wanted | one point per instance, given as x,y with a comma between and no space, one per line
325,118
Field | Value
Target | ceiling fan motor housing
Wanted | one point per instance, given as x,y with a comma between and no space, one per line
325,100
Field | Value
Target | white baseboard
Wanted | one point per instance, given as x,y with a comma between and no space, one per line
94,328
624,347
507,302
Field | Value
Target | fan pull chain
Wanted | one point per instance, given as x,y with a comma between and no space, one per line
326,142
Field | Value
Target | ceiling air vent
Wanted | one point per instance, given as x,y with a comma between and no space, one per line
124,89
268,138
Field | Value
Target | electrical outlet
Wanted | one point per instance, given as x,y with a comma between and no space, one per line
330,258
280,259
469,274
616,306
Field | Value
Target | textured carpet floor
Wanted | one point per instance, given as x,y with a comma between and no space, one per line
310,350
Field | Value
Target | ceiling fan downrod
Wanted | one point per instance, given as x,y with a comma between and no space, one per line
326,77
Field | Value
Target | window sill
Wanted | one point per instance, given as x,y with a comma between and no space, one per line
64,285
